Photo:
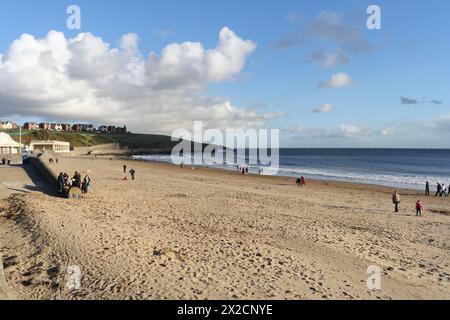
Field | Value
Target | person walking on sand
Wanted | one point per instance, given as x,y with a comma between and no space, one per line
303,181
444,191
427,189
124,168
439,190
419,208
132,173
396,200
61,184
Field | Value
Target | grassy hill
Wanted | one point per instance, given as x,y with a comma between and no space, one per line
141,141
130,140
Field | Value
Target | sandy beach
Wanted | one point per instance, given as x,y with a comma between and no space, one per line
208,234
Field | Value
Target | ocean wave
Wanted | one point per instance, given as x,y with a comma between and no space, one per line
416,181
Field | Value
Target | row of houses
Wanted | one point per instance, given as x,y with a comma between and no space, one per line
8,125
63,127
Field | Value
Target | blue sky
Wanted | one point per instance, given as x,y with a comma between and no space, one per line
408,57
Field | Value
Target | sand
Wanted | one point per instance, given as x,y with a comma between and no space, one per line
209,234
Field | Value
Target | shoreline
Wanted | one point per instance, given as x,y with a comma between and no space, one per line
417,191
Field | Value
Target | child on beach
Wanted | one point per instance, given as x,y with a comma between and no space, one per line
419,208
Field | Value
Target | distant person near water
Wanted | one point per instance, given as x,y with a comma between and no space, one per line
132,173
396,200
419,208
124,168
427,189
301,182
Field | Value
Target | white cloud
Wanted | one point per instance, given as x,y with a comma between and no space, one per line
325,108
338,80
305,131
85,79
350,131
228,58
387,131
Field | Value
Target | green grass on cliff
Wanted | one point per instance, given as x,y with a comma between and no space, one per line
130,140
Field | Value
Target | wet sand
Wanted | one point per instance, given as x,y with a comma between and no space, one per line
210,234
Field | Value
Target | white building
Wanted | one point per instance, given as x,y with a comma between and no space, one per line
8,145
49,145
56,127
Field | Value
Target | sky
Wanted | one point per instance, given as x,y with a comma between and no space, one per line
311,69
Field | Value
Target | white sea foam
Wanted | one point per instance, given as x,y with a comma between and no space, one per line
386,179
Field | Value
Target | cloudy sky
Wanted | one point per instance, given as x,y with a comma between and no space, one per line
309,68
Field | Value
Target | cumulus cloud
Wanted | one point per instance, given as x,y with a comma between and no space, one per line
85,79
338,80
325,108
228,58
329,59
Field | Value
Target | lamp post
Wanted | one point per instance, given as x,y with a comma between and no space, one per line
20,141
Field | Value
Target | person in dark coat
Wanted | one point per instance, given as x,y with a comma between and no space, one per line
61,184
76,180
439,190
132,173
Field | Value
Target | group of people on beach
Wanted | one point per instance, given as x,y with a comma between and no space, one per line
242,169
65,183
132,172
53,160
396,201
441,190
301,182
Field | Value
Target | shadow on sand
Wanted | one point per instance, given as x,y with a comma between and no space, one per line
40,184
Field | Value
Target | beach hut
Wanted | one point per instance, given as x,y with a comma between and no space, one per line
50,145
8,145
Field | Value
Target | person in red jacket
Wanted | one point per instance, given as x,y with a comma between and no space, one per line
419,208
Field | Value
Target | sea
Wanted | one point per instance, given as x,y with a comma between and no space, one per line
397,168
